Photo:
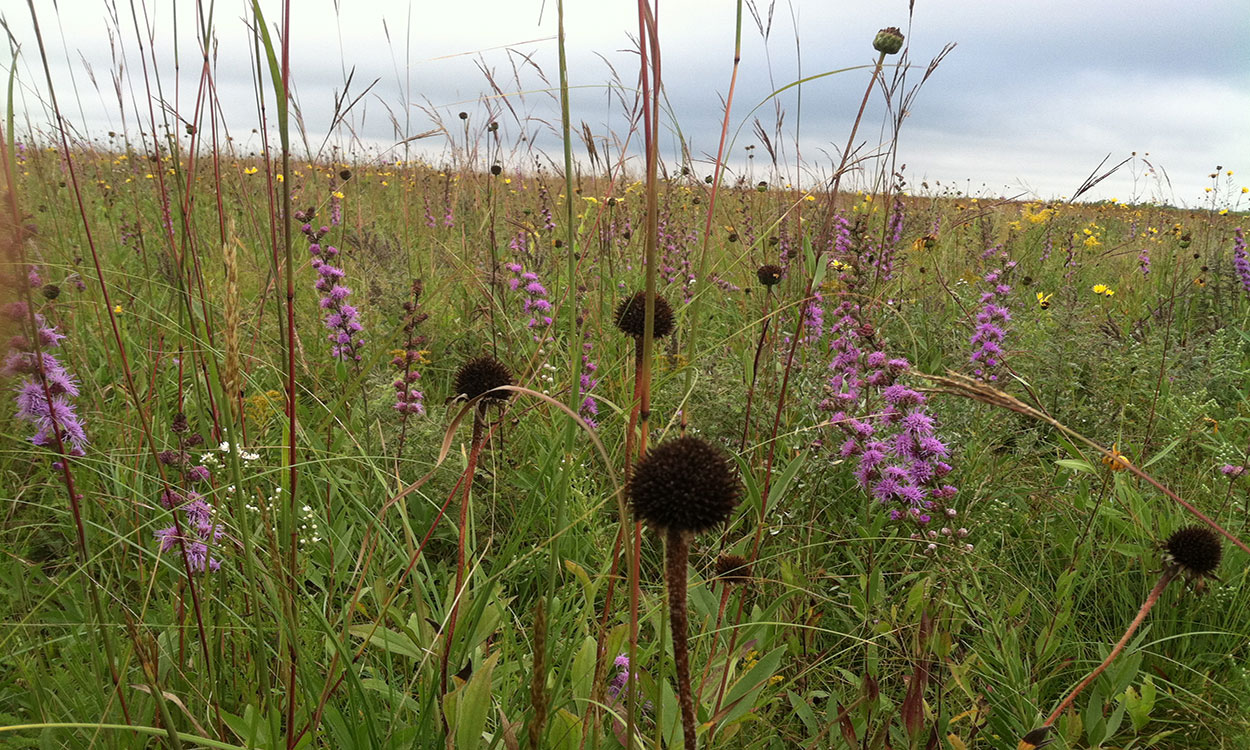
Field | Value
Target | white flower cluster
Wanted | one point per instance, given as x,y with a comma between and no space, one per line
309,531
211,460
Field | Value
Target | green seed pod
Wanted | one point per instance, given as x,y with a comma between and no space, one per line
889,40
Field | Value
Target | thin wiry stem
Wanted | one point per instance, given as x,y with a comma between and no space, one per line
1146,606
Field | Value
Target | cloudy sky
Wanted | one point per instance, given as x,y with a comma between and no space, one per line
1030,101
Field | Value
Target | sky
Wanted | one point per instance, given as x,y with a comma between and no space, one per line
1029,102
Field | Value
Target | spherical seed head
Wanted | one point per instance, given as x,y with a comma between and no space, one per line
631,316
733,570
684,484
477,376
1196,549
769,275
51,291
889,40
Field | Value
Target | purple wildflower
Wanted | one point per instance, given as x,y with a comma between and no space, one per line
1241,264
992,319
49,410
589,409
536,303
341,319
200,529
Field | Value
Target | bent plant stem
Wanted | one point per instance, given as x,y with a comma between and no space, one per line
1151,600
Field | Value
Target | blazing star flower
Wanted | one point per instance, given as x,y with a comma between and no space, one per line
50,411
589,408
536,303
992,319
409,400
341,319
1241,263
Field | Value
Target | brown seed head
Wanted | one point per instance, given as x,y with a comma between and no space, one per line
631,316
684,484
769,275
1195,549
733,570
477,376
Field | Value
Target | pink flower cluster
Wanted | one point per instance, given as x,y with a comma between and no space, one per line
341,319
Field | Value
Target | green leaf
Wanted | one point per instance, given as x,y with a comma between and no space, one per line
565,732
1163,453
742,696
388,640
468,707
1076,465
583,671
779,487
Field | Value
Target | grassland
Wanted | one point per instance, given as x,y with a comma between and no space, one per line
265,537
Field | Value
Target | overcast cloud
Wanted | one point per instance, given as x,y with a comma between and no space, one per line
1030,101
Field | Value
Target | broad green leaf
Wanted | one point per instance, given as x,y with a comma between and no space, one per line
388,640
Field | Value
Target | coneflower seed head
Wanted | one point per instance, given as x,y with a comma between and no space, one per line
684,484
477,376
1196,549
631,316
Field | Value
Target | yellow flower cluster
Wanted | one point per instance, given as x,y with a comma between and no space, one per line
1035,214
1093,235
1103,289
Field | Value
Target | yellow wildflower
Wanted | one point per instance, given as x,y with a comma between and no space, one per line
1043,300
1116,461
117,309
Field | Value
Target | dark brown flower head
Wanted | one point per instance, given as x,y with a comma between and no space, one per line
769,275
477,376
631,316
684,484
179,423
889,40
733,570
345,175
1195,549
51,291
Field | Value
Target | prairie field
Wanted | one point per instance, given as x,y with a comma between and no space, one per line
488,444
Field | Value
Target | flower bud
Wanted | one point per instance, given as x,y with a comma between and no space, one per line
889,40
